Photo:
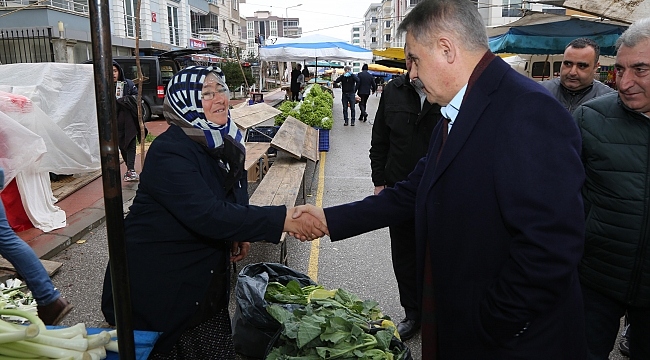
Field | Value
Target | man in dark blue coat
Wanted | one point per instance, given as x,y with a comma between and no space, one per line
498,213
366,85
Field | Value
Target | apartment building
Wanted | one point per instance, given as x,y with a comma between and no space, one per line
263,27
164,25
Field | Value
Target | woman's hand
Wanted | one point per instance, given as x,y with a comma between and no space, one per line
239,250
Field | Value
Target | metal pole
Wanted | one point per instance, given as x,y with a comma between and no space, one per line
100,25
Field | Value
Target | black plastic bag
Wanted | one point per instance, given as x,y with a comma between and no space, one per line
253,327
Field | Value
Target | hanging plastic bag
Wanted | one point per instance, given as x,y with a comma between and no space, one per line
253,327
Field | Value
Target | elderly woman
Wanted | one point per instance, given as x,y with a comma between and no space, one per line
189,220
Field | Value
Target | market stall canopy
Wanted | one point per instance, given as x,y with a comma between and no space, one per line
385,69
627,11
324,64
313,47
396,53
538,33
401,64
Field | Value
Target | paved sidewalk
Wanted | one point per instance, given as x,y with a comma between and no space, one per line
84,208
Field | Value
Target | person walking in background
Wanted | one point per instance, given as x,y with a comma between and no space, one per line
349,84
51,306
190,219
366,85
615,268
400,137
295,85
576,83
128,126
499,219
305,74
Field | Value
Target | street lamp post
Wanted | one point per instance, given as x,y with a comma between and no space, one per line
286,15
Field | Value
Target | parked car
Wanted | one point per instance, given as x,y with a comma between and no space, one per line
157,71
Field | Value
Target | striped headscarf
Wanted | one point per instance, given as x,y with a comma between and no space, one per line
183,107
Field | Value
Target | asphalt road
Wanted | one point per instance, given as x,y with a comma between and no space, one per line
361,265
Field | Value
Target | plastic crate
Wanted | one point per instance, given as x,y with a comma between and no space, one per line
262,134
323,140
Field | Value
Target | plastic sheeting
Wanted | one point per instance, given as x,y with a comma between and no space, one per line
550,34
313,47
48,123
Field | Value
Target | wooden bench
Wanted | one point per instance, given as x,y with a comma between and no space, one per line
296,143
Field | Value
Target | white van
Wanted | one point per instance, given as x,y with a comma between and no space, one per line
544,67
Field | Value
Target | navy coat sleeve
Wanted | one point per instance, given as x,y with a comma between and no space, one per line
187,186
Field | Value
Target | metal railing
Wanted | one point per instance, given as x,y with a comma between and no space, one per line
26,45
78,6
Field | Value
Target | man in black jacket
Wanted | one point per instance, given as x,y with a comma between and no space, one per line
615,267
400,137
349,84
366,84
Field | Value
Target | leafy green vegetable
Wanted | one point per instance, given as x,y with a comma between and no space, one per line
291,293
334,324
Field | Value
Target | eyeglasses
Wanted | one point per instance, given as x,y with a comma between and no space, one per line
210,95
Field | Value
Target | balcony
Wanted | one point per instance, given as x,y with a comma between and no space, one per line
206,34
78,7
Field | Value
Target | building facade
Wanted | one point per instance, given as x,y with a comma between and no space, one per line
164,24
382,19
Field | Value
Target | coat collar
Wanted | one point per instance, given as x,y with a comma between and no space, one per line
474,104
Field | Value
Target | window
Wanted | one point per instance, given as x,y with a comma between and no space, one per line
274,25
129,17
250,25
355,29
373,39
290,23
250,34
541,69
373,20
355,35
232,28
355,41
387,37
172,20
511,8
413,2
387,24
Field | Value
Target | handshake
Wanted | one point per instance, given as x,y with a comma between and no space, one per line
306,222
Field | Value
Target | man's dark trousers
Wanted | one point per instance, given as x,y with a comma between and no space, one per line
348,98
402,245
603,319
294,93
362,106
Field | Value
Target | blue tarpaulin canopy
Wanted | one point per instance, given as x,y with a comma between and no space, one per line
537,33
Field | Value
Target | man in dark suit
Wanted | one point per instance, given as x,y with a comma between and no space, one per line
498,213
366,85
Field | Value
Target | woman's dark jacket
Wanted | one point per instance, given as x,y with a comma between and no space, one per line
616,156
128,127
178,234
401,132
